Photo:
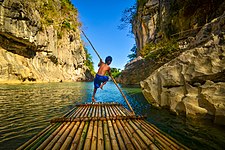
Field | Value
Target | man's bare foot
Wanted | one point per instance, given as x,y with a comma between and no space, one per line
101,86
93,99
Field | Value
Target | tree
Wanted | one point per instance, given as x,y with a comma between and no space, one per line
133,55
127,18
88,62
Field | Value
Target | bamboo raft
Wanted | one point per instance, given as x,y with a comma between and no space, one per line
101,126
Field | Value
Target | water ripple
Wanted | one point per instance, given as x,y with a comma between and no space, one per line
27,108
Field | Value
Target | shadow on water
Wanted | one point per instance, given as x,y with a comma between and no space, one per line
27,108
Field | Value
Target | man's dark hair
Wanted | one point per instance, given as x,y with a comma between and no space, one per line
108,58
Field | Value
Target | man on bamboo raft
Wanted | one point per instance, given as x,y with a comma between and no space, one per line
100,78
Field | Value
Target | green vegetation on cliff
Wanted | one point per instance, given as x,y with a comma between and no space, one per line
160,50
88,62
115,72
60,13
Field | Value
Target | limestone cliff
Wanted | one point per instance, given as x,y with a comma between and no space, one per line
194,82
190,78
156,20
40,41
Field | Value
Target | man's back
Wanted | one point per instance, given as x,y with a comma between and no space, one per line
102,69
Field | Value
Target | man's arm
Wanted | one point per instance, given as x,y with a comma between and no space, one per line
99,64
109,72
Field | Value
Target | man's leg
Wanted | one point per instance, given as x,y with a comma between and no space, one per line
93,96
101,86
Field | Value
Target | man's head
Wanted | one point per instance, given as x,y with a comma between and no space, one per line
108,60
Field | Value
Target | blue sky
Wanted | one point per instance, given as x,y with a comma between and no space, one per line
100,20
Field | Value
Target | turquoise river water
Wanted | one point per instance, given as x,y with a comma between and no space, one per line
26,109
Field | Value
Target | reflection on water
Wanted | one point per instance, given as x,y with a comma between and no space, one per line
27,108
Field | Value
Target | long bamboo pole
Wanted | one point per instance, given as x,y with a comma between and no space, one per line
110,75
122,94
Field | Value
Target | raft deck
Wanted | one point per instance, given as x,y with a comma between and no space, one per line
101,126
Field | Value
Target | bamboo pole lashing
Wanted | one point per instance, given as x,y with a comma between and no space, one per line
99,104
97,118
77,136
70,137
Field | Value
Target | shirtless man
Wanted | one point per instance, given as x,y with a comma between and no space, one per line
100,78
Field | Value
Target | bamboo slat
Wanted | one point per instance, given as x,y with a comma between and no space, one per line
106,136
112,136
130,135
57,136
45,143
135,135
95,136
126,138
87,143
99,126
100,143
60,142
75,113
77,136
118,135
70,137
35,137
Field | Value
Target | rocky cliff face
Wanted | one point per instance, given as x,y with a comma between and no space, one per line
157,19
192,82
40,41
